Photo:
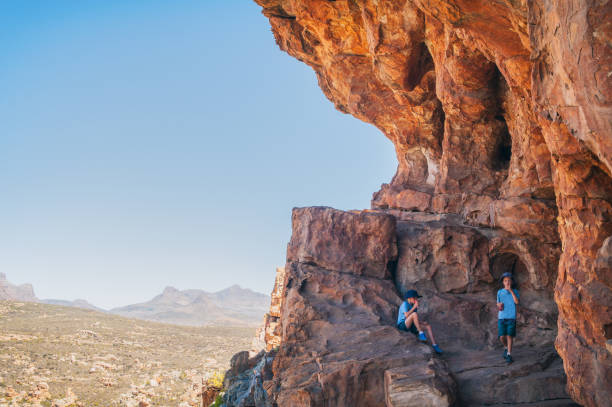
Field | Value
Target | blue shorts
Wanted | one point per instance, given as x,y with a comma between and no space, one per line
402,327
506,327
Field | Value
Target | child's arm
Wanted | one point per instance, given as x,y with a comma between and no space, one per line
413,309
514,297
498,300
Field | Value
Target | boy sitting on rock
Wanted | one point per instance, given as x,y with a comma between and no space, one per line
408,319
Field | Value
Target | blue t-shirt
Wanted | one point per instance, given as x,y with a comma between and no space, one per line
405,307
509,311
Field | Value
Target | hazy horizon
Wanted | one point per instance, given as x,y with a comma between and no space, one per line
161,144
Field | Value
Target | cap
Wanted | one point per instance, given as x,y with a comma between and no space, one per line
506,274
412,294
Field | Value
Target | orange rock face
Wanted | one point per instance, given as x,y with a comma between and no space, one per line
501,115
268,335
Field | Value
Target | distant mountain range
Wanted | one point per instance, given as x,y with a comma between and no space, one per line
232,306
76,303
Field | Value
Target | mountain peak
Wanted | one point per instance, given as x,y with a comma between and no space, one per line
170,290
233,305
23,292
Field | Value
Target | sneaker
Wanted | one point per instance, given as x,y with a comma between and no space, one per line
422,337
509,359
437,349
505,353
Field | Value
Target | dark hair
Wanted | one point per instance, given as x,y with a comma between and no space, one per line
513,285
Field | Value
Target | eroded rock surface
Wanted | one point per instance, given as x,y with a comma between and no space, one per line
363,244
268,336
457,267
419,384
501,114
337,322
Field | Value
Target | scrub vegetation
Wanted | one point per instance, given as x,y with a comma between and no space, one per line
64,356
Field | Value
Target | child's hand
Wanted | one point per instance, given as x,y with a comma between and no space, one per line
416,304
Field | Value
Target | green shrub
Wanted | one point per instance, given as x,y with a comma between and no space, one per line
218,401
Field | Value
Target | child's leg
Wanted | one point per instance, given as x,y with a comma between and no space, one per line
413,319
510,344
503,341
429,332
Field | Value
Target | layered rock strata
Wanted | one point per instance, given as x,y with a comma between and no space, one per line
501,114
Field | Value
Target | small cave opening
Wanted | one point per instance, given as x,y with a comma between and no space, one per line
509,263
501,152
537,312
608,331
423,63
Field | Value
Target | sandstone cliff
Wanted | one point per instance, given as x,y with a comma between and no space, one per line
501,115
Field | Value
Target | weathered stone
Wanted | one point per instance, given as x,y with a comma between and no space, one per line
338,339
406,199
238,363
244,387
419,384
361,243
485,379
268,335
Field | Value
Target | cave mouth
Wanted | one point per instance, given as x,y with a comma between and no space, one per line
509,262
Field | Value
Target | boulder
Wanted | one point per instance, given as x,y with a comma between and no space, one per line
362,243
418,385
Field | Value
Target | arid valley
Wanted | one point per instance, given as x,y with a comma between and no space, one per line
64,356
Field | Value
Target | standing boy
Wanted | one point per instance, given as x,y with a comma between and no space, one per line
408,319
507,300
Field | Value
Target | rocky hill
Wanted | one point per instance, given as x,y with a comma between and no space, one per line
501,117
233,306
8,291
79,303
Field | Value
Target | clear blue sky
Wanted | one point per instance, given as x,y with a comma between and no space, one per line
154,143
